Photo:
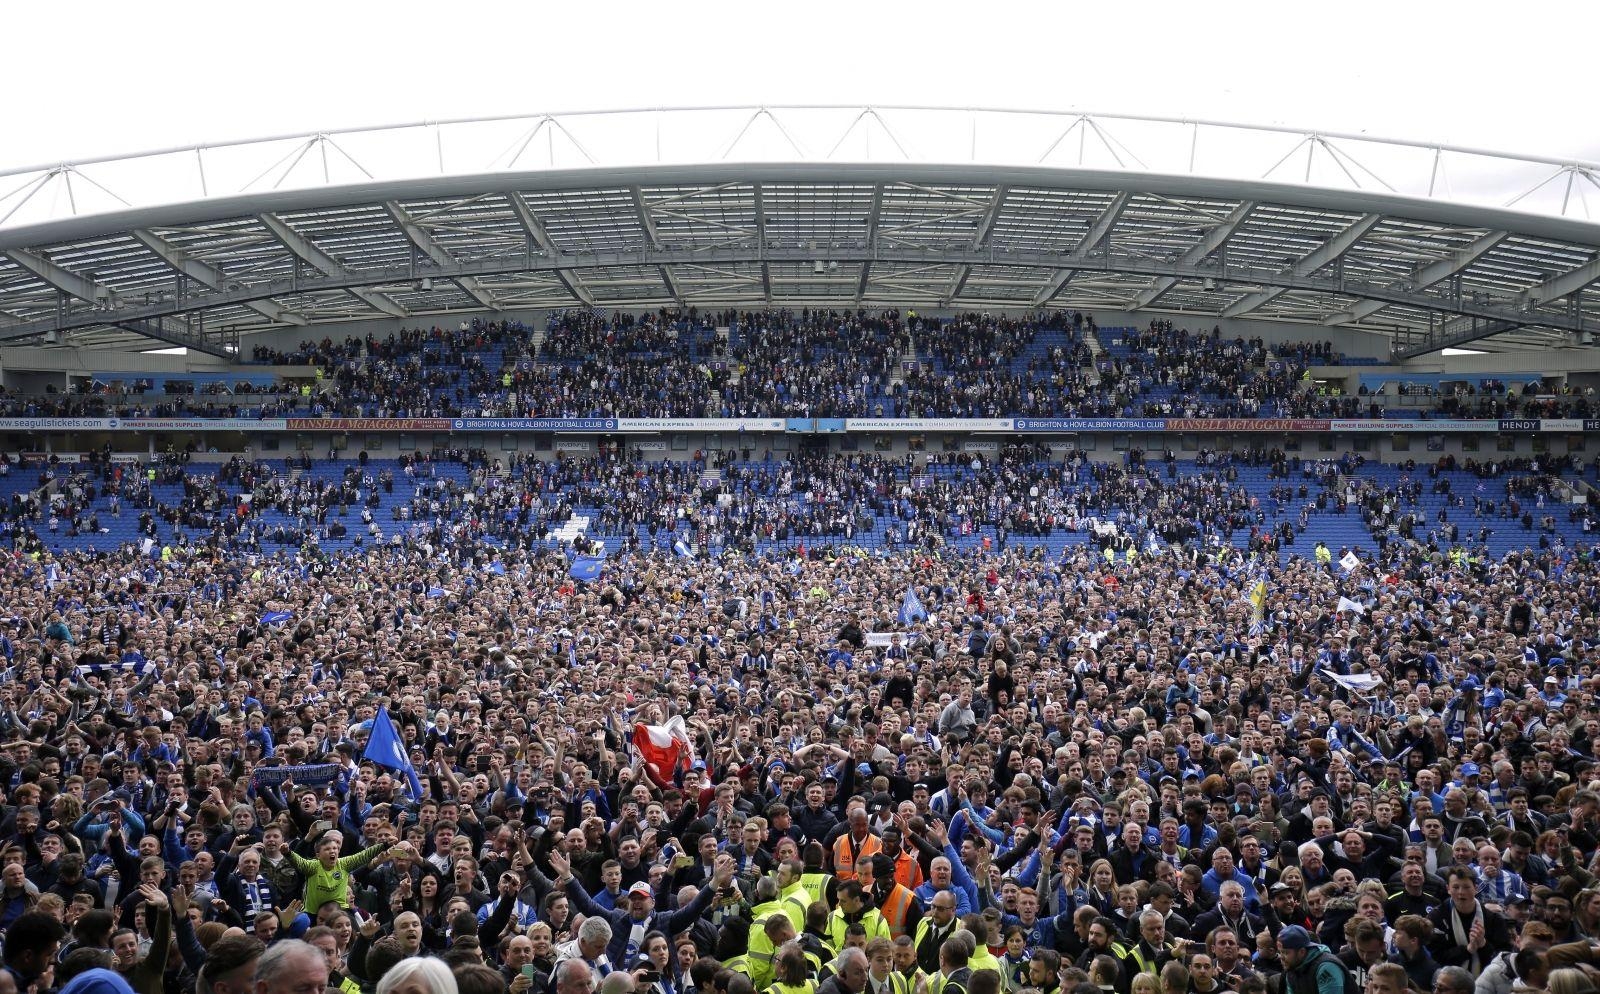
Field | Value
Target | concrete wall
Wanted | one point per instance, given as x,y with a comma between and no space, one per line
90,361
31,370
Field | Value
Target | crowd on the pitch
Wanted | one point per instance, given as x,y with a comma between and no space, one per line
799,732
917,770
748,501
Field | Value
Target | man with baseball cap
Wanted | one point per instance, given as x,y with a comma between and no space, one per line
1309,968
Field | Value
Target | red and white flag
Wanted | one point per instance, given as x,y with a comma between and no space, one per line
663,749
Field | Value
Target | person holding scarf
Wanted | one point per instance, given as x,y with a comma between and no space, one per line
1466,933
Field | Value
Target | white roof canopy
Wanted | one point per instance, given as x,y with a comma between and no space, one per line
751,207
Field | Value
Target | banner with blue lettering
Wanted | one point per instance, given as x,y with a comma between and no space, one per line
533,424
316,775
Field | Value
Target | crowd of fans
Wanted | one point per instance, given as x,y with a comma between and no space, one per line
807,363
797,733
1181,757
930,501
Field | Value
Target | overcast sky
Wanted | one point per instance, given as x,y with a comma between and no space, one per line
98,77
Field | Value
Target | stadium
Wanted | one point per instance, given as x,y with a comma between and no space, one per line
798,547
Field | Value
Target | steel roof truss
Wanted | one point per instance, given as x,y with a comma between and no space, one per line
1198,253
209,277
420,237
541,237
307,251
1326,254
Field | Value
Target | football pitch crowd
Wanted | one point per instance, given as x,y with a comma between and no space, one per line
442,765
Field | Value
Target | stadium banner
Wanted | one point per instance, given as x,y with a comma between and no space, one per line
198,424
367,424
1519,424
1246,424
1090,424
700,424
930,424
975,445
801,425
533,424
58,424
1381,425
68,458
649,445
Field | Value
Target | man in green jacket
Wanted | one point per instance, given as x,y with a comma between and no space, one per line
1309,968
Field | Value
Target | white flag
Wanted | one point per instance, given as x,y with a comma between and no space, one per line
1349,561
880,640
1346,604
1355,682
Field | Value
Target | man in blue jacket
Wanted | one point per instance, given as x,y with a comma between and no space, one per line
630,924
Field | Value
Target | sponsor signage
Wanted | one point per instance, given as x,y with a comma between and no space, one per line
1091,424
532,424
983,446
367,424
58,424
142,424
700,424
201,424
1371,424
930,424
1246,424
799,425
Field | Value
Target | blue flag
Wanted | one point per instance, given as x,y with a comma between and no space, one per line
911,608
682,548
435,591
587,568
385,748
276,617
498,568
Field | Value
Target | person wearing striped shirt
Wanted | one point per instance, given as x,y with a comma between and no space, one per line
246,890
1500,787
1497,885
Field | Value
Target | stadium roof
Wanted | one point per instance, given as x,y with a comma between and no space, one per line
742,207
